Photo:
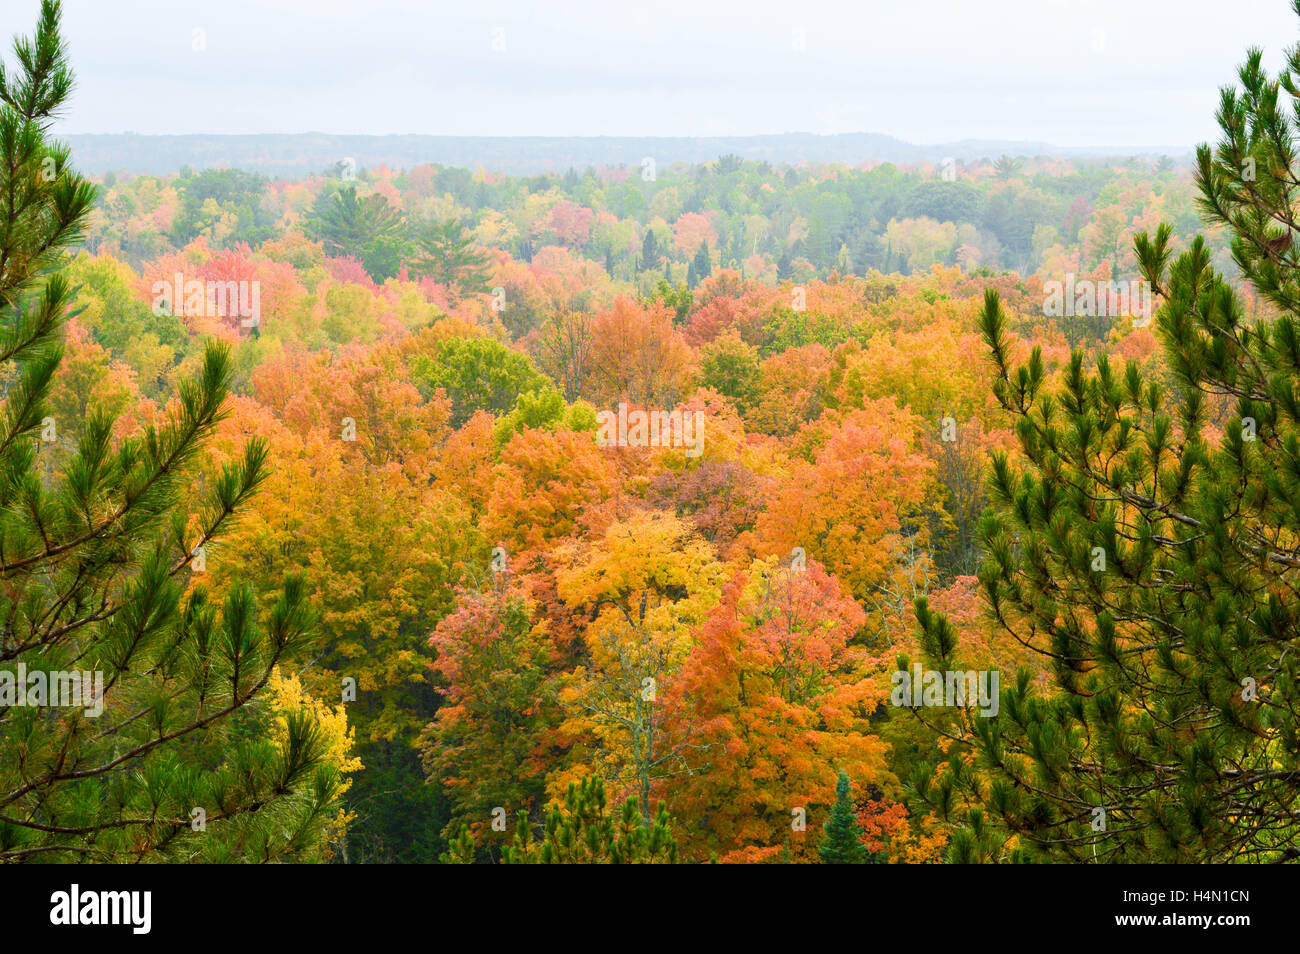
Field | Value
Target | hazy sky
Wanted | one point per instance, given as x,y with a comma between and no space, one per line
1068,72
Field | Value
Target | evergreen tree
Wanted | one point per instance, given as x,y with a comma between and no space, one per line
701,266
1149,549
1005,168
443,252
785,265
649,250
841,842
583,831
367,229
127,724
524,249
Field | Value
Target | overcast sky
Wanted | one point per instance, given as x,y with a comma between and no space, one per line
1068,72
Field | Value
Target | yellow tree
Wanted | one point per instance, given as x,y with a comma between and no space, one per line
645,582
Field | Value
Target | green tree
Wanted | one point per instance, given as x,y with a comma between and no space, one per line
1148,550
732,367
945,202
159,749
545,408
677,297
650,253
841,842
478,373
701,266
583,831
1006,168
367,229
215,193
445,253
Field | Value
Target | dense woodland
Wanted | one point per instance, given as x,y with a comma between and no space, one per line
823,319
529,646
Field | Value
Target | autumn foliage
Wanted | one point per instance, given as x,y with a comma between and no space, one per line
510,607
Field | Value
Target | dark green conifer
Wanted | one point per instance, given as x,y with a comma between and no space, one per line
1149,548
841,842
130,723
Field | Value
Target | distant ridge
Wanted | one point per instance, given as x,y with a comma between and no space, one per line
301,153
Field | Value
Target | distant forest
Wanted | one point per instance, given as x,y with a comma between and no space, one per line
287,155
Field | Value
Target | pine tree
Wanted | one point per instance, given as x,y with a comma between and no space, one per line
582,831
128,723
1005,168
841,842
649,250
701,266
585,832
444,252
1149,548
460,849
785,265
368,229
